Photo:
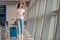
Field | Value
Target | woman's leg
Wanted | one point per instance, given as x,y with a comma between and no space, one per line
19,26
22,26
19,29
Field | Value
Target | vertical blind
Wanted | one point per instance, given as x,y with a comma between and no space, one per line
41,22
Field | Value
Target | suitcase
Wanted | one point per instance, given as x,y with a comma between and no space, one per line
13,31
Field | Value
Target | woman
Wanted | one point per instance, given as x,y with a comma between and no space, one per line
20,18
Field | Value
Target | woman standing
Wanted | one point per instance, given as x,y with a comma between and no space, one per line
20,18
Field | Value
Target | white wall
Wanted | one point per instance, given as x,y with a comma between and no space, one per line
10,12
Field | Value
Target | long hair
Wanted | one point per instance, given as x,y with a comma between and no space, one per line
18,6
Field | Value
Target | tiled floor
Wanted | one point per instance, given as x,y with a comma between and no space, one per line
26,36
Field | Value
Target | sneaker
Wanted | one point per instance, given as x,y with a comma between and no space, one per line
22,37
19,37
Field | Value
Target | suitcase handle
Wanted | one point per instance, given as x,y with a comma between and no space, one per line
13,28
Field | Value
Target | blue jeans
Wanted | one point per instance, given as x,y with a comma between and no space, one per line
20,23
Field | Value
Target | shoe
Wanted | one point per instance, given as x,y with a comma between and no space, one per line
19,37
22,37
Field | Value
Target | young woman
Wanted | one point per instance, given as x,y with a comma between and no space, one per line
20,18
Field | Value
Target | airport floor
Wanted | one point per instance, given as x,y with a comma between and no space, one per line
4,35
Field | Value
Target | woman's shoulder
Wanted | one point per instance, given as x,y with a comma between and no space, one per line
17,9
22,9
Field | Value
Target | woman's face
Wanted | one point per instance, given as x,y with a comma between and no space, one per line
21,5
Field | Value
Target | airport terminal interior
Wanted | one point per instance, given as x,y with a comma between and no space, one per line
42,20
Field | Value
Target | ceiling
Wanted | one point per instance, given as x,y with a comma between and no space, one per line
10,2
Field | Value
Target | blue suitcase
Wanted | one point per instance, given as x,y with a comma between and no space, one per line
13,31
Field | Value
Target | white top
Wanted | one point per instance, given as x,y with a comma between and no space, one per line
21,11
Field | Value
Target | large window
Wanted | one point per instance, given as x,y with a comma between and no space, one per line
42,19
1,18
2,12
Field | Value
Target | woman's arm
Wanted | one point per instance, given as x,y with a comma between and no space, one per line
16,15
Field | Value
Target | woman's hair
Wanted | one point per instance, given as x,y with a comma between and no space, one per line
18,6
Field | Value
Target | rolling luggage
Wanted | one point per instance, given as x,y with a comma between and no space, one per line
13,32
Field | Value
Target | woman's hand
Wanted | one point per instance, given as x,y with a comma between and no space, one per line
13,19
